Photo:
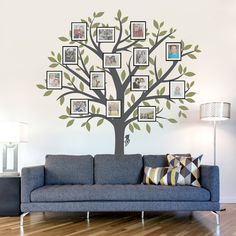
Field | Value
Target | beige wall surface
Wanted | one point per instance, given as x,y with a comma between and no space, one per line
29,31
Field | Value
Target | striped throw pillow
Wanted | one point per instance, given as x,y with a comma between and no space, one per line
161,175
189,172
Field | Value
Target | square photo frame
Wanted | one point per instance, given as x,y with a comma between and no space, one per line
137,30
105,35
97,80
173,51
141,56
54,79
113,108
78,31
139,83
177,89
146,113
79,106
112,60
70,55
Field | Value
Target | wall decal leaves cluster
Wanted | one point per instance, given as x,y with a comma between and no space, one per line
142,90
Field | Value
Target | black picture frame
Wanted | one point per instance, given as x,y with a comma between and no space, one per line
107,112
138,89
132,37
134,56
79,113
75,61
86,33
112,67
105,41
90,80
183,89
179,45
48,72
146,120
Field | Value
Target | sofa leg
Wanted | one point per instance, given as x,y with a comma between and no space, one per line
22,218
87,215
217,215
142,215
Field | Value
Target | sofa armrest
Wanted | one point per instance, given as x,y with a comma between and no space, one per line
210,180
31,178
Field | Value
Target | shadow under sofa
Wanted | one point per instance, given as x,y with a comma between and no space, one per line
111,183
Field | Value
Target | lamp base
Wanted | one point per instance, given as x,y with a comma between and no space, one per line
9,174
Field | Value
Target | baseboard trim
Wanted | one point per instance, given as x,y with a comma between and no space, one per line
228,200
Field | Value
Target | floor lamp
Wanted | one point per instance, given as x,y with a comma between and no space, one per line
11,134
215,111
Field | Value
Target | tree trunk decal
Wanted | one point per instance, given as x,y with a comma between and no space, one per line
163,92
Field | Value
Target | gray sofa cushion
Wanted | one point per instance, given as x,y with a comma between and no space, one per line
140,192
67,169
155,161
114,169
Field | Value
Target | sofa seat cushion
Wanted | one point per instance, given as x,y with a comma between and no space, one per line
139,192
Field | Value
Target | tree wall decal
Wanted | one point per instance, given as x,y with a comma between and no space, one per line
76,82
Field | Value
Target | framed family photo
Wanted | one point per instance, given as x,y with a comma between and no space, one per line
146,113
139,83
137,30
97,80
173,51
54,79
105,34
112,60
113,108
78,31
177,89
140,56
79,106
70,55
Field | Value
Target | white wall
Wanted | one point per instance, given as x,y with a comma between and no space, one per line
29,31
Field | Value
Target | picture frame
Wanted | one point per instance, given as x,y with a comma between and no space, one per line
173,51
146,113
70,55
141,56
79,31
177,89
97,80
54,80
138,30
113,108
105,35
112,60
79,106
139,83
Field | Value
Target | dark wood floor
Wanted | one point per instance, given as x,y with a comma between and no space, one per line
128,224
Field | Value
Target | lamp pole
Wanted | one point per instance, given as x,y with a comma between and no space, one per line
214,143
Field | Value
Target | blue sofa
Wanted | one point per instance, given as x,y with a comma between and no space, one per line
111,183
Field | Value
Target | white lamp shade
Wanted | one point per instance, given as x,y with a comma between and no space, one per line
13,132
215,111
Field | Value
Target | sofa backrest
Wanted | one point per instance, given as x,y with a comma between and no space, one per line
115,169
155,161
68,169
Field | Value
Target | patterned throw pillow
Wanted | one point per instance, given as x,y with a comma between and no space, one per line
189,173
161,175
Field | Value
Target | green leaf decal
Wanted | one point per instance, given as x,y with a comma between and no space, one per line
184,108
127,91
151,42
151,60
168,104
159,74
59,57
190,100
148,128
47,93
52,59
68,110
99,14
62,99
171,120
192,56
162,91
132,98
86,60
180,69
119,14
100,122
93,109
123,75
40,86
162,23
88,126
189,74
53,65
162,33
81,86
66,76
124,19
70,123
187,47
156,25
135,113
63,117
131,128
190,94
146,103
63,39
136,126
